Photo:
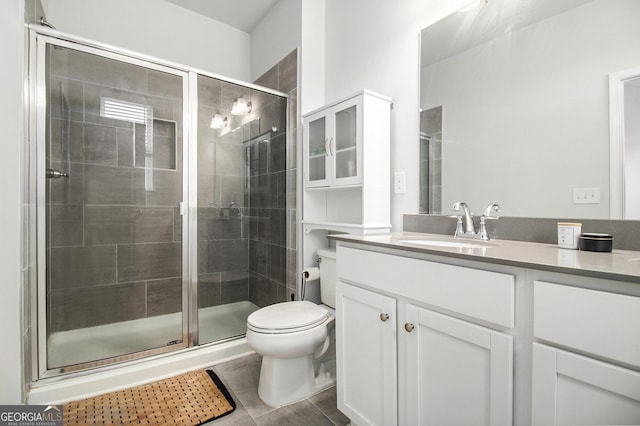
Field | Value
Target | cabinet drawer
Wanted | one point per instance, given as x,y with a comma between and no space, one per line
485,295
593,321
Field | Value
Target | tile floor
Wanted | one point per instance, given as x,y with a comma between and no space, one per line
240,376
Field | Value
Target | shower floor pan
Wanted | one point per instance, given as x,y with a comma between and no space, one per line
92,344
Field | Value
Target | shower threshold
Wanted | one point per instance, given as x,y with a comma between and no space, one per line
92,344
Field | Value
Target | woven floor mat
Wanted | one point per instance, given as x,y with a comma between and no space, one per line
189,399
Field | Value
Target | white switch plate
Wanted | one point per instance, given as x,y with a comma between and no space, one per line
399,183
586,195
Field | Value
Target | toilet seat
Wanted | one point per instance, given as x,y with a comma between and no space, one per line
287,317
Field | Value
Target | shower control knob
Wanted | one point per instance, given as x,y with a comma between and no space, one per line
409,327
384,317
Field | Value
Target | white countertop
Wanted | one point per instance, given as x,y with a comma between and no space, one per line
622,265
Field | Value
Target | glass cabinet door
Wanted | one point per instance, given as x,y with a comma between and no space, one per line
317,156
346,164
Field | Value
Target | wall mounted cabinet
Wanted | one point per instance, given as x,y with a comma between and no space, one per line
346,165
333,147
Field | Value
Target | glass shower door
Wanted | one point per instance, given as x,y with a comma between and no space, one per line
112,182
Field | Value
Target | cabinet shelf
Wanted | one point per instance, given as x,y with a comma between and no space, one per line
344,227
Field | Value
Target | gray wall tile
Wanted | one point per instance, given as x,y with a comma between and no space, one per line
163,84
167,187
100,145
65,224
90,306
128,224
77,65
269,78
234,286
227,255
229,159
209,290
125,147
66,99
288,72
164,296
108,185
209,92
82,266
149,261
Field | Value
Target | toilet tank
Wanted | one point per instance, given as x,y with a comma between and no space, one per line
328,276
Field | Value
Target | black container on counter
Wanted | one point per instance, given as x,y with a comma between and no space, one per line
592,241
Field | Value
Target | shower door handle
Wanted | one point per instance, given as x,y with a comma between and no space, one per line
56,174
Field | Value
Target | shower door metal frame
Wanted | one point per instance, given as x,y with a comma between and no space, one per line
39,39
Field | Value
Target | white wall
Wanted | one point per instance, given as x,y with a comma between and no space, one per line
374,44
156,28
11,84
275,36
312,57
525,116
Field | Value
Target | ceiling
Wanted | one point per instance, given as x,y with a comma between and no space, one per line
241,14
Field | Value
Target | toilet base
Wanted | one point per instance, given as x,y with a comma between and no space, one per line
285,381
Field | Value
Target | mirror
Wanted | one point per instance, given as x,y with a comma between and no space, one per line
514,98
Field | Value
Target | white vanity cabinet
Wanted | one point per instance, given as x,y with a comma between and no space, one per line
366,342
582,383
452,371
457,373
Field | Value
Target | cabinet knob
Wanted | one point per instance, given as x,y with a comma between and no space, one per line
409,327
384,317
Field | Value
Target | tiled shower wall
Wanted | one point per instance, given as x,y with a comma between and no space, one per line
115,246
273,254
114,240
222,230
242,230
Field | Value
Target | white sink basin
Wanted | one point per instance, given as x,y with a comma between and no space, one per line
448,243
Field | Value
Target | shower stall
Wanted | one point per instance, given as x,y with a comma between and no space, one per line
160,200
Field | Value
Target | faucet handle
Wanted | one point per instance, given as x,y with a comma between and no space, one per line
457,205
459,230
493,207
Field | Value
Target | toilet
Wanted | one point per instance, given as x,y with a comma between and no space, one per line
297,342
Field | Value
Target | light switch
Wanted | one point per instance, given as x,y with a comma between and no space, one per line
399,183
586,195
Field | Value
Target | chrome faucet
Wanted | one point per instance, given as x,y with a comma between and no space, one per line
469,230
468,218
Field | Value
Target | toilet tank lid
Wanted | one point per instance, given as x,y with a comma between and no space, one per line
327,252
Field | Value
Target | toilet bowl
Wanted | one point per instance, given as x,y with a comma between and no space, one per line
297,343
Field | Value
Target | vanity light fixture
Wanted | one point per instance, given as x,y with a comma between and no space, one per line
240,107
218,121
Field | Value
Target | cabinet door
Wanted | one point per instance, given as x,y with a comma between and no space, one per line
346,143
316,151
457,373
366,356
570,389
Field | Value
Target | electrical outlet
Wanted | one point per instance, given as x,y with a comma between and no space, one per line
399,183
586,195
